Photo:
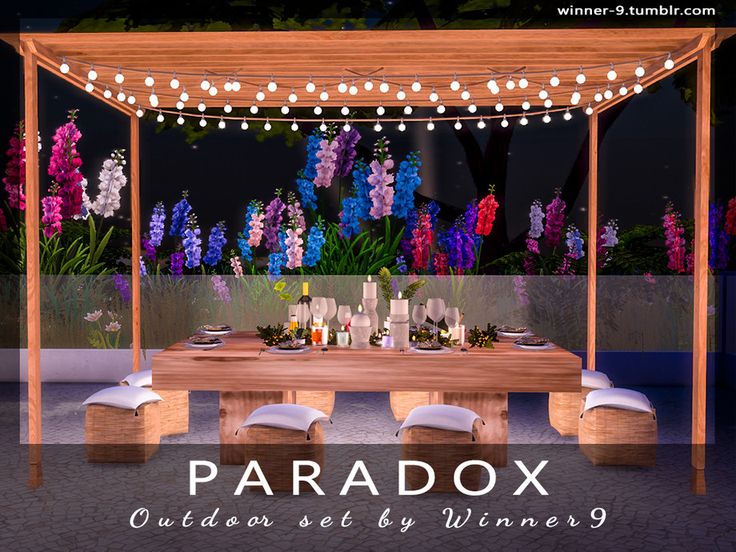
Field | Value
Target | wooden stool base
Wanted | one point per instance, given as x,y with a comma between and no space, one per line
174,410
119,435
564,411
403,402
321,400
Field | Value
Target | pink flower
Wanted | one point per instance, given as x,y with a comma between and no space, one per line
673,239
648,278
221,289
730,225
381,193
51,218
421,241
3,222
294,249
64,167
256,229
555,221
15,170
236,266
532,246
326,165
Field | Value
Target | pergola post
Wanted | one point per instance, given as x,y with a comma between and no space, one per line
135,233
700,254
33,269
592,236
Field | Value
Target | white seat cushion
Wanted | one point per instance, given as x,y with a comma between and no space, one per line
144,378
441,416
596,380
285,416
616,397
123,396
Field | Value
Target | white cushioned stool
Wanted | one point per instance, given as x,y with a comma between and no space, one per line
564,408
278,434
618,427
122,424
174,406
443,436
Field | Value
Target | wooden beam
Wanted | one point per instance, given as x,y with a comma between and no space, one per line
33,269
700,253
135,232
592,237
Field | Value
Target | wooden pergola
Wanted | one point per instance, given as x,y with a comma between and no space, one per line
399,57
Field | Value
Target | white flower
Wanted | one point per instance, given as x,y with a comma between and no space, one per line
93,316
112,180
113,327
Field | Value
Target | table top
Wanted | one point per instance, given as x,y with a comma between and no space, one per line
243,364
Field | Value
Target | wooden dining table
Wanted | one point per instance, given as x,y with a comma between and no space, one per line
248,376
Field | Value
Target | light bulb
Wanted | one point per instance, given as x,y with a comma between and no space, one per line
523,83
324,96
131,99
433,96
260,95
580,77
107,93
345,110
244,124
89,87
148,81
201,106
180,120
272,87
525,105
638,88
174,82
402,126
377,127
139,112
567,116
523,121
481,123
323,126
318,109
267,125
548,103
119,77
430,124
368,85
346,127
92,74
408,109
228,86
254,108
492,85
236,85
608,94
598,96
589,109
284,109
205,84
292,96
203,122
441,108
543,94
353,90
416,86
310,87
184,96
455,85
499,106
510,84
342,87
380,110
554,79
384,87
546,119
180,105
153,99
504,122
227,108
458,125
575,98
465,94
294,126
623,90
472,108
639,71
669,63
121,96
160,117
401,95
213,90
611,75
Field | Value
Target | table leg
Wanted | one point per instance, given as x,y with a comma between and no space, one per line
235,406
494,409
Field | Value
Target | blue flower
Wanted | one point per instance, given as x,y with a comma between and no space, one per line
401,265
433,209
246,252
349,221
315,241
407,181
313,140
192,243
215,243
361,190
179,217
278,259
574,243
156,226
307,197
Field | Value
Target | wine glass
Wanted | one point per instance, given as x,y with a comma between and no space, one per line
436,310
452,317
318,306
344,314
302,314
331,309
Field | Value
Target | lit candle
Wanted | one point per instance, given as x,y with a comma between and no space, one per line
343,338
399,306
360,329
369,289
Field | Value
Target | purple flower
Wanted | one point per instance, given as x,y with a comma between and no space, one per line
345,151
156,226
177,263
179,216
326,165
122,287
536,218
220,286
272,223
382,193
142,267
148,248
574,243
555,221
718,238
215,243
192,244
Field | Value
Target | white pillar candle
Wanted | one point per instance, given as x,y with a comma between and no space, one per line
399,306
370,289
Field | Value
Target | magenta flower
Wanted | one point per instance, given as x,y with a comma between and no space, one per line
64,167
326,166
532,246
15,170
674,239
382,193
555,221
51,218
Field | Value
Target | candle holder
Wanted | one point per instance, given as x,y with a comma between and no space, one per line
360,336
370,309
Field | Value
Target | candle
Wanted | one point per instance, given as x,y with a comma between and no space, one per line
343,338
387,341
457,333
399,306
360,329
369,289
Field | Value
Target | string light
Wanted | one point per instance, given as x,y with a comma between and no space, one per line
121,95
612,75
623,90
402,126
244,124
567,116
433,96
458,125
384,87
407,109
342,87
119,77
543,94
227,108
180,105
260,95
92,74
323,126
254,108
292,96
554,80
228,86
318,109
212,90
416,86
580,77
608,93
205,84
669,63
441,109
201,106
524,121
294,125
472,108
368,85
174,82
639,71
493,85
184,96
324,96
547,103
202,122
525,105
272,87
481,123
510,84
89,87
523,83
131,99
575,98
180,119
107,94
153,98
546,119
267,125
499,105
504,122
638,88
285,109
139,112
589,109
377,127
455,84
465,94
310,87
598,96
346,127
345,110
430,125
401,95
148,81
353,90
221,124
380,109
236,85
160,117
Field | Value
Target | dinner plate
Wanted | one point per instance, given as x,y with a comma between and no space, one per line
277,351
535,347
203,345
442,351
514,335
216,332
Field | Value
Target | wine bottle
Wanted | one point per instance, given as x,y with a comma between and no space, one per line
306,300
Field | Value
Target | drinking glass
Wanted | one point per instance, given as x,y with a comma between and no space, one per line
331,309
452,317
302,314
436,310
344,314
419,314
318,307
